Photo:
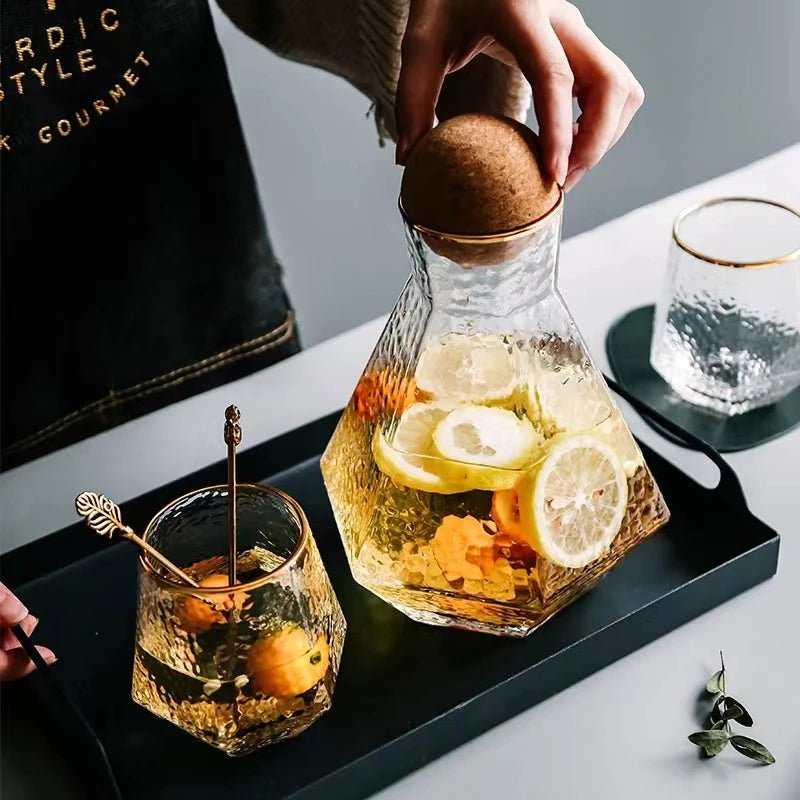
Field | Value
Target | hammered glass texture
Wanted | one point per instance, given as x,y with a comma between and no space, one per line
237,671
386,528
728,338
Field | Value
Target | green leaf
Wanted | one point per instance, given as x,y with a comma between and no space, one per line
716,748
706,739
752,749
718,725
726,709
714,685
713,742
735,710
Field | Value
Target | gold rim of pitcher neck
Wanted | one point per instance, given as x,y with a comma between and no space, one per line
302,543
792,256
488,238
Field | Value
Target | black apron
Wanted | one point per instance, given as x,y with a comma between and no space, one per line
136,268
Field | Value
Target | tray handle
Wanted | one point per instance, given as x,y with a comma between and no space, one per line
729,484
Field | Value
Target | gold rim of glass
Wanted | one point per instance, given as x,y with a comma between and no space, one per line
487,238
792,256
301,545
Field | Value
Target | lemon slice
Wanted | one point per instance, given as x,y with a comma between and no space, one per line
614,431
573,504
492,437
410,470
566,400
484,447
414,432
476,368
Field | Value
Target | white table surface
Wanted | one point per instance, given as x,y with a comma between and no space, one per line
621,732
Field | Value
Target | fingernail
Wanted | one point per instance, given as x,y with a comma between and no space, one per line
401,152
13,610
562,162
47,654
574,177
29,623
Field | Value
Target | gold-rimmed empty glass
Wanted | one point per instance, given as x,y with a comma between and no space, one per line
727,327
239,668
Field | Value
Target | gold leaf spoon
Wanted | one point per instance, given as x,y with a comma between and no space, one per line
104,517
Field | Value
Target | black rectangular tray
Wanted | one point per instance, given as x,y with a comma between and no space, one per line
407,693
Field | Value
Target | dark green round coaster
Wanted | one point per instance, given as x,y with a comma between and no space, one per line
628,350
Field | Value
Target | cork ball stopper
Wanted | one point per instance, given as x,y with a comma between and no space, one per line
476,174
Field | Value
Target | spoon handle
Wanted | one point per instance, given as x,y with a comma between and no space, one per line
103,516
163,560
233,436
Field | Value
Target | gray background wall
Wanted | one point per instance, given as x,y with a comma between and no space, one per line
721,78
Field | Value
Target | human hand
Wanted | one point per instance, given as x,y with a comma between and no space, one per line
14,663
556,52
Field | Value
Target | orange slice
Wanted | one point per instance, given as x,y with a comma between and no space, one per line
505,512
198,614
463,548
382,391
283,664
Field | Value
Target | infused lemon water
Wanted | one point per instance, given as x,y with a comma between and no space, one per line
481,475
227,672
489,487
225,669
240,666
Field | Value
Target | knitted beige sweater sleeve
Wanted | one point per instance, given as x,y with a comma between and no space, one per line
360,41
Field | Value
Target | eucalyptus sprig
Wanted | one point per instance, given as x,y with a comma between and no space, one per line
728,709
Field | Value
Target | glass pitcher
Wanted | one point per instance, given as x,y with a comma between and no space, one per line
481,475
